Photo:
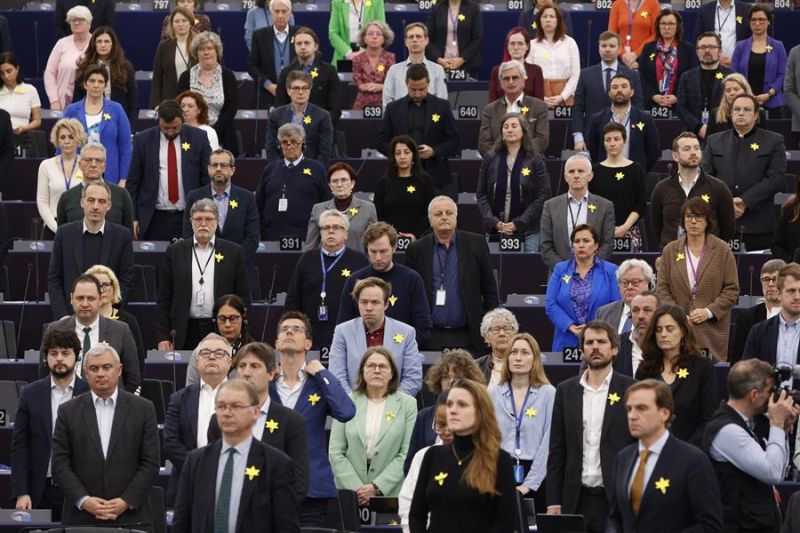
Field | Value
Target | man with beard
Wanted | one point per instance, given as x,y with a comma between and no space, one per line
749,451
588,428
642,143
751,316
689,181
700,88
168,161
643,306
31,477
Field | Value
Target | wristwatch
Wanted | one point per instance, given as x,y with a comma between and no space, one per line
377,490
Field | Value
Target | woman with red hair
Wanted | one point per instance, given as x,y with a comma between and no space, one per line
517,47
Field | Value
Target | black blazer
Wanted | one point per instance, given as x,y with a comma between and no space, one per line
129,469
66,262
225,126
324,92
30,440
696,399
128,97
476,279
318,143
745,320
440,135
623,363
7,146
591,96
143,177
647,68
265,504
691,502
762,340
241,222
261,61
289,437
690,97
786,239
469,34
175,285
180,434
165,76
564,462
706,19
643,140
103,14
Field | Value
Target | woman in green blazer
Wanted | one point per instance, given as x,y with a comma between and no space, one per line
367,453
344,39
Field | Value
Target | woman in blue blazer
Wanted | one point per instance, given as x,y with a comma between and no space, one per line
578,287
762,60
105,122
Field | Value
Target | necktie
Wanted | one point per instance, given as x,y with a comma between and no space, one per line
87,345
628,325
290,166
637,488
224,500
172,173
608,78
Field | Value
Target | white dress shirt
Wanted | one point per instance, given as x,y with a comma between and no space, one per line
205,408
104,410
725,26
687,188
202,306
576,210
373,424
57,397
290,395
636,353
594,408
162,201
94,339
261,421
237,481
560,60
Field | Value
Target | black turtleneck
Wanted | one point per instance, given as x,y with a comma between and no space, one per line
341,205
455,507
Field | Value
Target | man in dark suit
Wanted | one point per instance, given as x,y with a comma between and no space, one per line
325,92
765,338
168,162
190,409
7,146
589,427
642,143
31,478
457,274
752,162
591,94
105,450
534,111
80,245
313,119
771,306
93,330
660,483
271,50
727,18
700,88
103,13
276,425
92,162
194,273
254,489
429,121
238,215
643,306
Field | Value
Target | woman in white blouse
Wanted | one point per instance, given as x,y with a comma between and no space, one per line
195,113
557,55
59,173
20,99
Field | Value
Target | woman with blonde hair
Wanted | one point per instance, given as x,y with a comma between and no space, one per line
467,486
523,403
733,85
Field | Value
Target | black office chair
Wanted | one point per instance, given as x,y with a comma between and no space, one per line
158,515
143,285
348,510
151,389
318,530
92,529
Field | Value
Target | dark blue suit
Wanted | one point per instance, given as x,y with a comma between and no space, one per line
329,399
422,435
762,341
691,501
706,20
180,433
30,440
241,222
643,142
591,95
319,132
690,96
440,134
66,261
143,177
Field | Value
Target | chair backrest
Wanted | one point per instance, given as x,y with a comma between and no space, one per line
9,339
143,286
9,399
348,510
151,389
158,516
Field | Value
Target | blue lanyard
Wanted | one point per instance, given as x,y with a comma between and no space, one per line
518,417
325,271
67,179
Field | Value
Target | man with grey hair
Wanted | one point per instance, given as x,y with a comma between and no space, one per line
575,207
457,276
194,273
105,449
498,327
315,121
290,187
634,276
768,308
92,162
320,275
533,110
270,47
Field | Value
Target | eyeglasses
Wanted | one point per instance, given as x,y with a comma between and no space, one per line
759,20
233,319
498,329
216,354
94,160
290,142
766,280
105,286
297,88
220,165
332,227
508,79
235,407
631,282
694,218
438,429
204,220
708,47
373,367
374,33
293,329
341,181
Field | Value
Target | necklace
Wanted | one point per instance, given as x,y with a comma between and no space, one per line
459,459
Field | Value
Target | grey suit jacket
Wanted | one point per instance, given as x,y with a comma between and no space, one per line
611,313
791,86
359,221
536,117
555,245
118,335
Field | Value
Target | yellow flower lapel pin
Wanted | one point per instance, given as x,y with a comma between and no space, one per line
271,425
392,299
353,211
662,484
233,204
381,67
315,73
399,338
566,278
435,117
613,398
683,373
440,477
307,120
754,147
345,272
706,198
390,416
525,171
185,147
411,189
592,208
739,20
307,171
719,75
252,472
640,125
106,116
530,412
680,257
619,176
314,398
219,257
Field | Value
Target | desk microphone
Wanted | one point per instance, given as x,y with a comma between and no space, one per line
269,301
172,334
741,243
36,244
588,43
752,271
24,301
